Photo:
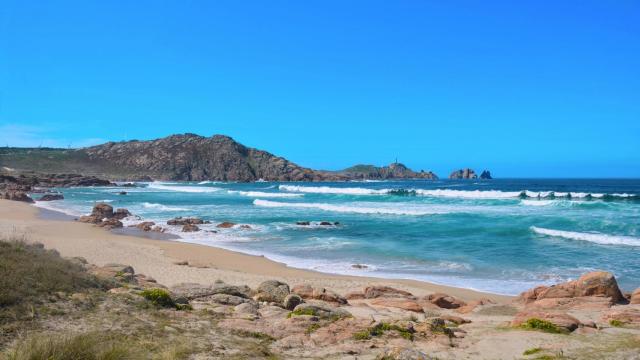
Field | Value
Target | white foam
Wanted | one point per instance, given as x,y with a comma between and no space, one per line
597,238
188,189
161,207
332,190
470,194
380,208
537,202
262,194
49,205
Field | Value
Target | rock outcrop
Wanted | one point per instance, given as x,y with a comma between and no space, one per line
597,283
486,175
51,197
103,215
308,292
392,171
463,174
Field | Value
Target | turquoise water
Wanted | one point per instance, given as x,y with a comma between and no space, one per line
501,236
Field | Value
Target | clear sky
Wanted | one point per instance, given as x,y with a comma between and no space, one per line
524,88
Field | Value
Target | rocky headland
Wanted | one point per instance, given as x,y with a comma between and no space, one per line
187,157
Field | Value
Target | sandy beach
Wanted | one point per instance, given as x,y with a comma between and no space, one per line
157,258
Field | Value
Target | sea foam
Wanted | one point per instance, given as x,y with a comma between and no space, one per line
161,207
333,190
379,209
597,238
262,194
188,189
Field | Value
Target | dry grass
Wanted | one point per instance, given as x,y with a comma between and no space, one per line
92,346
29,274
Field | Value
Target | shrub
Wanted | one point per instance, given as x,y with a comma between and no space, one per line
542,325
616,323
299,312
532,351
312,328
381,328
158,297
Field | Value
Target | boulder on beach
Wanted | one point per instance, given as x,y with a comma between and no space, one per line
596,283
291,301
103,215
445,301
635,297
102,211
273,291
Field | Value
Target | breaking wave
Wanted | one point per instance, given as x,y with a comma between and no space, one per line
333,190
597,238
262,194
188,189
161,207
461,194
380,209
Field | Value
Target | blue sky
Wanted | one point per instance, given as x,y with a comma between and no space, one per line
528,88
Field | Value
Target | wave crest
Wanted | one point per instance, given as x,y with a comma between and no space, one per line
597,238
178,188
381,209
262,194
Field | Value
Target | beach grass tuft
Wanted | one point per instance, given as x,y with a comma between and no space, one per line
158,297
532,351
379,329
91,346
542,325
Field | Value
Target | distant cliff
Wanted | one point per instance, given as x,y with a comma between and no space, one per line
393,171
186,157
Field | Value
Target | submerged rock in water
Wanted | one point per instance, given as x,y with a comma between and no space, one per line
186,221
51,197
226,225
190,228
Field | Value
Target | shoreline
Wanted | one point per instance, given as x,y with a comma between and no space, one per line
157,257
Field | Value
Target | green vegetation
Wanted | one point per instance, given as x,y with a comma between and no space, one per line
379,329
312,328
542,325
306,311
616,323
532,351
158,297
30,274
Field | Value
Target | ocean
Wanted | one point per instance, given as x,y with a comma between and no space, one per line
500,236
